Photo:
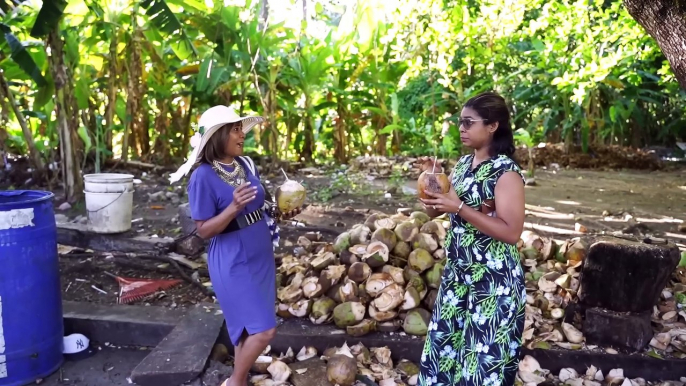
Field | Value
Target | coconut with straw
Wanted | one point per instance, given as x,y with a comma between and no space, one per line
435,182
290,195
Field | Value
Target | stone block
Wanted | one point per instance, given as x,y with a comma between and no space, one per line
626,276
182,355
314,376
625,331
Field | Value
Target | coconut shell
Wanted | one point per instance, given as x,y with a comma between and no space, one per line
333,293
421,217
312,287
301,309
420,260
377,254
348,258
430,299
282,311
402,250
385,236
377,282
418,283
424,241
359,272
389,326
371,220
409,273
380,316
439,254
395,272
322,310
406,230
359,234
347,292
385,223
390,298
322,261
361,329
411,299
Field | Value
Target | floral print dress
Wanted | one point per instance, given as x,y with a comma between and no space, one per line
476,328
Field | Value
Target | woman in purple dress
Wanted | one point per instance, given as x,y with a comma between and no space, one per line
227,203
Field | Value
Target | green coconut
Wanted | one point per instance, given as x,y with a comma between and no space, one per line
377,254
417,322
348,314
433,275
371,220
421,217
402,250
342,242
359,234
322,309
406,231
424,241
385,236
420,260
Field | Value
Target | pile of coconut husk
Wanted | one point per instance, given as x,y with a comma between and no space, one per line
345,366
381,275
531,373
384,275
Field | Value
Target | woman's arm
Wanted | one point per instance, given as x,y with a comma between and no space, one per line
509,201
216,225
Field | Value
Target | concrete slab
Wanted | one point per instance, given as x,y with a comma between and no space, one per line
78,235
122,325
182,355
108,366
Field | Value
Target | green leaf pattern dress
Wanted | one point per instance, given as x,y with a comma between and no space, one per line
476,328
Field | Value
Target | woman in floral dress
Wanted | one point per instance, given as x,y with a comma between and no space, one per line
476,328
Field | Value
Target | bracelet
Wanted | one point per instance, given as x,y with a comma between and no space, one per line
459,208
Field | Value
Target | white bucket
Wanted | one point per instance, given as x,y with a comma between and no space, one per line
109,202
108,182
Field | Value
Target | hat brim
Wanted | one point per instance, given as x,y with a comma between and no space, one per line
247,122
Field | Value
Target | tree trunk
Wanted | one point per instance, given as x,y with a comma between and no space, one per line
67,119
340,136
161,147
665,21
187,132
111,92
133,100
264,14
5,92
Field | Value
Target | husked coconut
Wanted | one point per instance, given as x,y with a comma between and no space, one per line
348,313
359,272
377,254
418,283
341,368
377,282
290,294
390,298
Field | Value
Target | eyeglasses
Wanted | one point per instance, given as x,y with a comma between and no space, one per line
468,122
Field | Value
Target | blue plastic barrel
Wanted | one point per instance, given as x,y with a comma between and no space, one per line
31,326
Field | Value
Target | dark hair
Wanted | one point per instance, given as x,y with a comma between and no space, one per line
493,108
215,149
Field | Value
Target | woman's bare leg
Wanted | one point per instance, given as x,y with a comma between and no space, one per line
248,350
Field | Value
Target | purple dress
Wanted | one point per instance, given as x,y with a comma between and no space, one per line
241,263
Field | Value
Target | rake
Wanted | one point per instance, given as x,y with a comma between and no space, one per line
133,289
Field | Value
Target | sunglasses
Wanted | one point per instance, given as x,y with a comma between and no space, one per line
468,122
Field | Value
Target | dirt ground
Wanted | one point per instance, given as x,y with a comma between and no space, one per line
562,203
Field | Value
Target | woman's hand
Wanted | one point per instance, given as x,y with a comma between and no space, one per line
242,195
427,163
445,203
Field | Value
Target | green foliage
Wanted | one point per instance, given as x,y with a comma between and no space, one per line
366,76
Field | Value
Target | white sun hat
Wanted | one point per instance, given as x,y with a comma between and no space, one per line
210,121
